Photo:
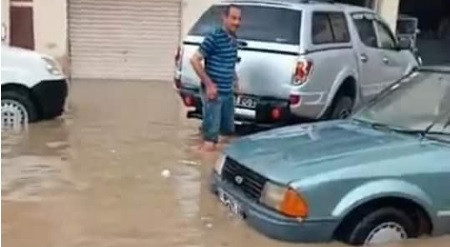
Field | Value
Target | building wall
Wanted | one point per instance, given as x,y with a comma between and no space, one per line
192,10
50,29
388,9
5,21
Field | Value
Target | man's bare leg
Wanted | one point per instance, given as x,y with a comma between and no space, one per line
225,139
208,146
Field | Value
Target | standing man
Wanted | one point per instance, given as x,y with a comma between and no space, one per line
218,78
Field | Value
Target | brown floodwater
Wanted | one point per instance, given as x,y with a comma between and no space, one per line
94,177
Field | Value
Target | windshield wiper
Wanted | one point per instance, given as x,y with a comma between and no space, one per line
446,124
383,126
421,133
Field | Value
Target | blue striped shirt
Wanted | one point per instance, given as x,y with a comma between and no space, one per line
220,53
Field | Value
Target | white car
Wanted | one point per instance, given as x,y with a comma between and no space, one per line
33,86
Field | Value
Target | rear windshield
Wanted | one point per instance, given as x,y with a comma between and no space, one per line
258,23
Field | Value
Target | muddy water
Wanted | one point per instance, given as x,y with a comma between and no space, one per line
93,178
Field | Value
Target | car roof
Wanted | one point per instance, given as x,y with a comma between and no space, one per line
303,4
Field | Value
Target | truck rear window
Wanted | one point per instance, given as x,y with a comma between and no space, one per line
258,23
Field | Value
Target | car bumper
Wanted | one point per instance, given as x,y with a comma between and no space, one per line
51,97
273,224
261,115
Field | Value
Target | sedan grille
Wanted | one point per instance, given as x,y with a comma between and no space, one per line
246,180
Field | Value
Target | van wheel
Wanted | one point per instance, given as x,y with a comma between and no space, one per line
342,108
382,226
17,106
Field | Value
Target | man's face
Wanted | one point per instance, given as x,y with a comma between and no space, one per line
232,21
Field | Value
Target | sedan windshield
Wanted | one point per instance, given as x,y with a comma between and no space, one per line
419,103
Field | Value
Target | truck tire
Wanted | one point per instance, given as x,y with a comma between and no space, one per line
342,108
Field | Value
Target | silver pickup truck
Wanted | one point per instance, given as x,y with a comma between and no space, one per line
300,60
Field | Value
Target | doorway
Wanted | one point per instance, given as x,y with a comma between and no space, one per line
21,25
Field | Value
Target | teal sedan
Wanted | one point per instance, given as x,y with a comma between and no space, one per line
380,176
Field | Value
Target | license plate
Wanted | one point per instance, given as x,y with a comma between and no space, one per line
246,102
230,203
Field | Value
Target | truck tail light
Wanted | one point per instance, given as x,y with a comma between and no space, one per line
294,99
188,101
177,82
276,113
178,55
302,71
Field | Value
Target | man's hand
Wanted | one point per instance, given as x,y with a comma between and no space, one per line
236,86
211,88
211,91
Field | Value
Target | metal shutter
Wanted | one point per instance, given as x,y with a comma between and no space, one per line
123,39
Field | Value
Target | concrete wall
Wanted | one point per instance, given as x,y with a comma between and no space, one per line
5,21
50,29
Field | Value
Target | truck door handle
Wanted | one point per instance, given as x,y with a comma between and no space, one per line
363,58
238,59
385,60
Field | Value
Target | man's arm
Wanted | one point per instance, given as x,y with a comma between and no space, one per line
196,62
205,50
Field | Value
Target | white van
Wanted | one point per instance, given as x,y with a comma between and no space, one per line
33,86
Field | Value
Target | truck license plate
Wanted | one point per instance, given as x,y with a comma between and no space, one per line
246,102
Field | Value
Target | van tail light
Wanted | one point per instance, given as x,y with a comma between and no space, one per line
302,71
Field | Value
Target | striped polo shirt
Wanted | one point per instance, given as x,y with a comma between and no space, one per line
220,53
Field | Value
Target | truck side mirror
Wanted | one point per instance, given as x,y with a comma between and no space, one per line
404,43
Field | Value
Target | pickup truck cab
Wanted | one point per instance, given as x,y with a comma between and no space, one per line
33,87
300,60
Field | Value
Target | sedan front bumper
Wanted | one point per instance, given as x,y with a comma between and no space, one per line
273,224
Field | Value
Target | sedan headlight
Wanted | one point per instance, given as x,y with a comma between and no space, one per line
52,66
218,166
285,200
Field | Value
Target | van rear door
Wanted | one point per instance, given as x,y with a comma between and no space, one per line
269,39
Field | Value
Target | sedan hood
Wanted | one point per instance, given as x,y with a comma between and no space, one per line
289,154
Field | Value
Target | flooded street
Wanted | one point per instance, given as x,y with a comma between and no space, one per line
94,177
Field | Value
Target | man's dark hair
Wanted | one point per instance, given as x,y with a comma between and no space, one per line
227,9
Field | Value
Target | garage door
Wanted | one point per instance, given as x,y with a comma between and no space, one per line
123,39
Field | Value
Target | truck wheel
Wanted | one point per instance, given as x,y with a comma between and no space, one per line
382,226
17,106
342,108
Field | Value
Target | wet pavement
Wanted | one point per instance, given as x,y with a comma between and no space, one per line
94,177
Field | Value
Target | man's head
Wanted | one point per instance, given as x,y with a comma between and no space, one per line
232,18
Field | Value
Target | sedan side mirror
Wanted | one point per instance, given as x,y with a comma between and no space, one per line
404,43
